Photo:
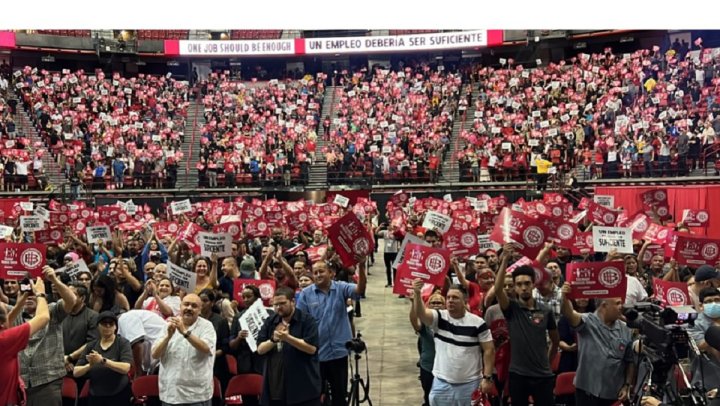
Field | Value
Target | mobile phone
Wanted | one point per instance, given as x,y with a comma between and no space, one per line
25,286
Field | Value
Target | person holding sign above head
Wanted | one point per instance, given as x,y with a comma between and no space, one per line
289,342
606,371
528,321
275,266
464,348
326,301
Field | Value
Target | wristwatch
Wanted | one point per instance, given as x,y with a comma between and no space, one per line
42,295
104,360
186,334
486,377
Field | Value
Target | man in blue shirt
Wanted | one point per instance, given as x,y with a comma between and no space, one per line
326,301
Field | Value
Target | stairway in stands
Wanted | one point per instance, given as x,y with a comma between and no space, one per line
318,170
187,172
52,168
450,166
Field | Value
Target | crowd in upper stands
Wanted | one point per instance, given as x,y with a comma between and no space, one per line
256,133
112,130
647,113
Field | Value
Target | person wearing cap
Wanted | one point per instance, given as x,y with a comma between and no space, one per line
705,277
106,361
15,339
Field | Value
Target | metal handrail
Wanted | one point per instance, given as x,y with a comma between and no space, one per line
192,139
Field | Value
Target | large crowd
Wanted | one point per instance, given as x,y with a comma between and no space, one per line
117,309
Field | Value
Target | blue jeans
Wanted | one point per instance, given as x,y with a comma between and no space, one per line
448,394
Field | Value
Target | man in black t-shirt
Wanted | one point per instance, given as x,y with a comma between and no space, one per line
528,321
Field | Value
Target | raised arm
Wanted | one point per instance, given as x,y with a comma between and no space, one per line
425,315
68,296
573,317
362,275
414,321
42,313
460,274
544,254
502,298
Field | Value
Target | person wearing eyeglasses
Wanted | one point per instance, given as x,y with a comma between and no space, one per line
708,316
427,343
106,361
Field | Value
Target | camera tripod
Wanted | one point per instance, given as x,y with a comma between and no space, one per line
356,382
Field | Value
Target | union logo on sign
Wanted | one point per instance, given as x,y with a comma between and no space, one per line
302,217
702,216
557,211
609,218
361,246
468,240
233,229
565,232
676,297
610,277
662,211
262,226
534,236
660,195
709,251
435,263
266,291
31,258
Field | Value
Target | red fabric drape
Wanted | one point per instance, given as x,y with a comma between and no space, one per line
679,198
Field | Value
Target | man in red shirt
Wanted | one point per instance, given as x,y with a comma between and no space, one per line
15,339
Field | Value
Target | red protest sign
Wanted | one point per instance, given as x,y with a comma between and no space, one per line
59,218
638,223
316,252
165,228
350,238
582,243
656,201
426,263
696,250
601,215
399,198
189,234
671,293
265,286
16,260
258,228
297,220
656,234
49,236
529,234
695,218
596,280
234,228
461,243
562,232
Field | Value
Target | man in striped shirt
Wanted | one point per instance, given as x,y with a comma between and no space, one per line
460,339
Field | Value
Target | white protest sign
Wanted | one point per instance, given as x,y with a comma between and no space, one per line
183,206
98,233
182,278
341,200
74,269
605,200
485,244
5,231
42,212
607,238
252,321
435,220
409,239
32,223
26,206
220,244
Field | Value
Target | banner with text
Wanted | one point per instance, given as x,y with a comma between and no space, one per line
17,260
597,280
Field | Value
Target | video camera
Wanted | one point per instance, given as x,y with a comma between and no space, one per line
356,345
664,330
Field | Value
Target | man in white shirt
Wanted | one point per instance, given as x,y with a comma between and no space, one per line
187,354
142,328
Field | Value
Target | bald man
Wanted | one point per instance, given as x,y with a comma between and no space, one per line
186,355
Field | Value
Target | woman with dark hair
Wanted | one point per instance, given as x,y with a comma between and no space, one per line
247,360
105,297
106,361
206,271
220,369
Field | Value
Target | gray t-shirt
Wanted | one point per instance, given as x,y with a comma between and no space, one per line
603,354
79,329
528,345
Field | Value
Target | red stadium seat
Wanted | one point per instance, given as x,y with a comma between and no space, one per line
243,385
564,384
144,387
